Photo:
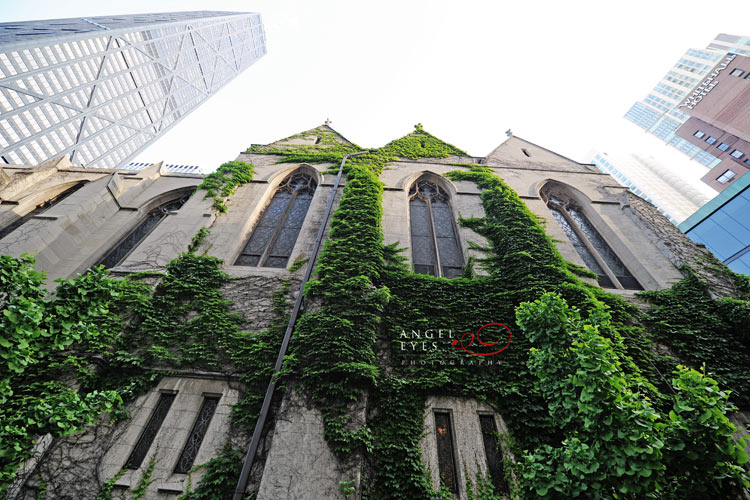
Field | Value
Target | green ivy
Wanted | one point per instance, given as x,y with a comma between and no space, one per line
221,183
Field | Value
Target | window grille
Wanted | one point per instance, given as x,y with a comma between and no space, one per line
272,241
434,238
193,444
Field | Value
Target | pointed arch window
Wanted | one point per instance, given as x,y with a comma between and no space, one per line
272,240
594,251
434,236
126,245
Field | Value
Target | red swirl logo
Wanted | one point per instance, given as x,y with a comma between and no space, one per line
460,344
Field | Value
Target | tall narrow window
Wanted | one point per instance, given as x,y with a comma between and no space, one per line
39,209
149,432
492,452
594,251
273,238
446,459
434,239
118,254
195,439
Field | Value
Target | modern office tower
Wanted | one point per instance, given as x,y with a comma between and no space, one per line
722,225
667,189
661,113
100,89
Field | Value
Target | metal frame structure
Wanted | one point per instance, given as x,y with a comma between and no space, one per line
102,89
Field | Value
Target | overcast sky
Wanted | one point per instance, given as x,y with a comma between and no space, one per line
560,74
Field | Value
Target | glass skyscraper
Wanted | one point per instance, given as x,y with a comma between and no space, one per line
660,114
101,89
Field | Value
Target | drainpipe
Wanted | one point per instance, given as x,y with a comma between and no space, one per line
247,463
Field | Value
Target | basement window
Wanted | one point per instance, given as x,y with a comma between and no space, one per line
711,140
737,154
699,134
737,72
723,146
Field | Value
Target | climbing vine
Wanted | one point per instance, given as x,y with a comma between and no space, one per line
221,183
577,352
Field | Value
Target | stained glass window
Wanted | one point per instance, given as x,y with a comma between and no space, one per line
149,432
273,238
590,245
118,254
492,452
195,439
434,241
446,459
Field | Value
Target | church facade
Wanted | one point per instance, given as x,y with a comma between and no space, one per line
385,391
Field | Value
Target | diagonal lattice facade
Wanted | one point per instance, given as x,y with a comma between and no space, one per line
101,89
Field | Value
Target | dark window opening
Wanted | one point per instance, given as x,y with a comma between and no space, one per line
525,152
446,458
198,432
317,140
493,453
38,210
272,241
434,237
149,432
118,254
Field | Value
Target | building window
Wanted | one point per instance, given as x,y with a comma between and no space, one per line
434,236
737,154
526,152
118,254
726,177
149,432
699,134
198,432
273,239
711,140
446,458
492,452
737,72
723,146
592,248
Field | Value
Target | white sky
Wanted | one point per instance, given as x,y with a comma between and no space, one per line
560,74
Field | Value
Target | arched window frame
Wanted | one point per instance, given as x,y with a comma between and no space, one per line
442,194
563,202
145,226
300,181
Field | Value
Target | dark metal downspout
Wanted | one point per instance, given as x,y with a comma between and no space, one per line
247,463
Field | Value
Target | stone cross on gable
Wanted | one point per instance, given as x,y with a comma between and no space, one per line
328,121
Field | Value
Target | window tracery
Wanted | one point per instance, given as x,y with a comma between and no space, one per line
272,241
118,254
434,238
593,249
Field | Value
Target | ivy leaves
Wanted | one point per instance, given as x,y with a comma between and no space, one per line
615,441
